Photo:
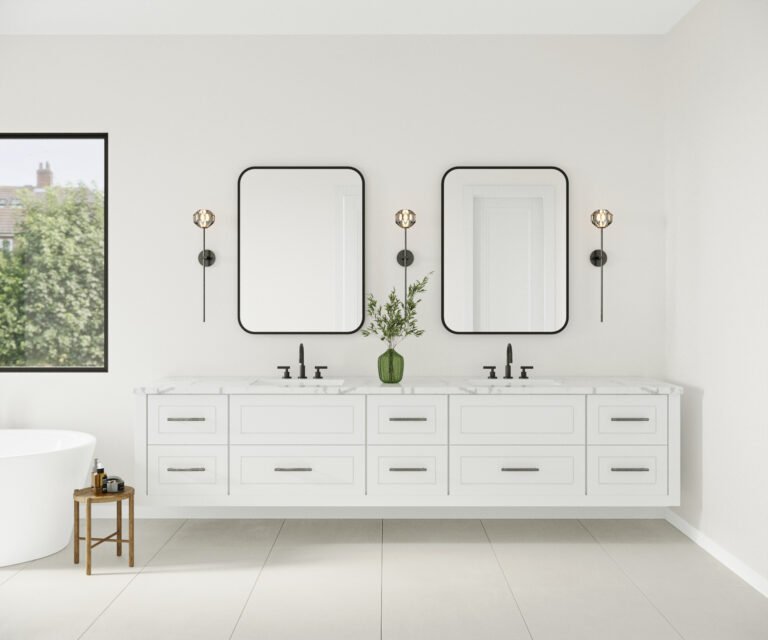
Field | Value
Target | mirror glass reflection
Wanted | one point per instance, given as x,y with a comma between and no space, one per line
301,249
505,250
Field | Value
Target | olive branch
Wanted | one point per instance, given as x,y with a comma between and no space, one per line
395,320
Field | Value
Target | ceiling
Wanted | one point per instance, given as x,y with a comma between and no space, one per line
347,17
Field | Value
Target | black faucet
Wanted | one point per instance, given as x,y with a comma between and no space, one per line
508,366
302,368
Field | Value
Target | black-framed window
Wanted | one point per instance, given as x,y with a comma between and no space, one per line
53,271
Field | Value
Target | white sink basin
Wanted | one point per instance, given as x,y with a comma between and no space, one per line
517,382
296,382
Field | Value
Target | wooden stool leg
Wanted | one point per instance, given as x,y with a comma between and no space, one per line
76,536
88,545
119,544
130,530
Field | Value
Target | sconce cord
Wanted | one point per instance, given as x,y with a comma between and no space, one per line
405,275
203,274
602,262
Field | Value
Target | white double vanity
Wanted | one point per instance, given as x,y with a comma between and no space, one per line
427,442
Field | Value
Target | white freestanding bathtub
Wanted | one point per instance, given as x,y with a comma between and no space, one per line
39,470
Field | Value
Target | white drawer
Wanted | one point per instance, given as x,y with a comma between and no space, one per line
298,470
187,419
544,419
408,420
528,470
296,419
626,471
629,419
185,470
407,470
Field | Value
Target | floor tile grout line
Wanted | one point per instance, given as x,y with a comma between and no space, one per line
135,575
256,581
629,577
506,579
13,575
381,585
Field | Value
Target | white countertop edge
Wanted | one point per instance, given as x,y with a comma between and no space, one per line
572,385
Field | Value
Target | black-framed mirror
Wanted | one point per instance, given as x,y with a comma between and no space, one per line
505,250
301,249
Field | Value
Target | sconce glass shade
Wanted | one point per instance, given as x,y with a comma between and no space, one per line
602,218
405,218
203,218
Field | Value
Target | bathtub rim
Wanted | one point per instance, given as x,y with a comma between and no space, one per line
80,439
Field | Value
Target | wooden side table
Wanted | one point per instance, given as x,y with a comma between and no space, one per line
89,497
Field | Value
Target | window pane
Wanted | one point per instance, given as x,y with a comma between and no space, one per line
53,260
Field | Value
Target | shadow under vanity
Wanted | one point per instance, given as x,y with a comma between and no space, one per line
496,441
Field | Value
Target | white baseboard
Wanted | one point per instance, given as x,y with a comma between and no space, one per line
725,557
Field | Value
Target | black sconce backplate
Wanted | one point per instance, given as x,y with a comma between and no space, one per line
598,258
206,258
405,258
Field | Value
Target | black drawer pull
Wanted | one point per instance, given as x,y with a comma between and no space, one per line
630,419
180,469
396,469
185,419
630,469
520,469
407,419
290,469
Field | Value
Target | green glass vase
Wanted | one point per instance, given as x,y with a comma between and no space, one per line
391,365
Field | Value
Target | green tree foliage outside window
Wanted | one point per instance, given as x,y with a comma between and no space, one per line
52,308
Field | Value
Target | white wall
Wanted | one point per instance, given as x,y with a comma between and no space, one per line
185,115
717,312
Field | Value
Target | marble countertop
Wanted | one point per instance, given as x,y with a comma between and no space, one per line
411,386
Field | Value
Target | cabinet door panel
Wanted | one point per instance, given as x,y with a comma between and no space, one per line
295,471
295,419
534,419
418,420
630,471
627,419
187,419
520,471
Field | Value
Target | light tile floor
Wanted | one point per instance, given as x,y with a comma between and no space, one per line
396,580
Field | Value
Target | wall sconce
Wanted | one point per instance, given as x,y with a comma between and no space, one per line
405,219
204,218
601,218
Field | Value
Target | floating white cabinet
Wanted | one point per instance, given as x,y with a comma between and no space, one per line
591,443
